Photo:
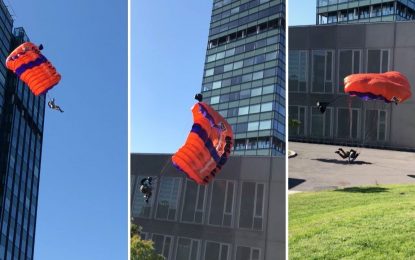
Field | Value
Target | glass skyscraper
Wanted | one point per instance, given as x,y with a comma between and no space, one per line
21,134
363,11
244,74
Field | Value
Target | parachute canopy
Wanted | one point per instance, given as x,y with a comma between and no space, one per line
207,147
390,86
27,62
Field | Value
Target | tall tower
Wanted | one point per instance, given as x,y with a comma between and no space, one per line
363,11
21,134
244,73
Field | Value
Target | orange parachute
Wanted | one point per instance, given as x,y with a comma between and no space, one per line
207,147
27,62
390,86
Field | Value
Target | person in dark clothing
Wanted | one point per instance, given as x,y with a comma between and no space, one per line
146,188
52,105
350,155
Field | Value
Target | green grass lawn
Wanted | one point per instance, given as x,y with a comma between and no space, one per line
355,223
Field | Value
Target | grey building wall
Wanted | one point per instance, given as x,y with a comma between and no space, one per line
251,178
395,42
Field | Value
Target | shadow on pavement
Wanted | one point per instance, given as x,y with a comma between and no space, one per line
345,162
292,182
364,189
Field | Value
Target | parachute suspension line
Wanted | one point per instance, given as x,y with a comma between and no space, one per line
156,178
349,104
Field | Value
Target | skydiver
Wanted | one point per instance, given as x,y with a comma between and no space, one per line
146,188
342,153
353,155
350,155
52,105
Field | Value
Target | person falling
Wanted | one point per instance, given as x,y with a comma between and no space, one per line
350,155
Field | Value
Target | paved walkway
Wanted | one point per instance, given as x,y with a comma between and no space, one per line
317,167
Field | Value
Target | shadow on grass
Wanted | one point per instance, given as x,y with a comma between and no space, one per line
344,162
292,182
364,189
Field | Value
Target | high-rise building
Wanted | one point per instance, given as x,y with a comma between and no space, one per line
21,134
363,11
239,215
244,73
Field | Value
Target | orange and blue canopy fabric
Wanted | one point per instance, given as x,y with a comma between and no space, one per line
28,63
391,86
207,147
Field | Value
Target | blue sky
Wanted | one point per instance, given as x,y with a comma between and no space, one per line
301,12
82,212
168,47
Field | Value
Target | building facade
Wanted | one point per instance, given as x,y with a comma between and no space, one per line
319,59
364,11
244,73
239,215
21,134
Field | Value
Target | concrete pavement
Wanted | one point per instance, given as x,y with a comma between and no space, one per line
317,167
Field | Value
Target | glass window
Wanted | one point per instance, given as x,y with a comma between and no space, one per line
349,63
248,62
271,56
214,250
247,253
214,100
265,125
249,46
211,58
265,107
194,202
209,72
347,123
243,110
168,198
222,203
257,75
252,209
268,89
187,249
238,65
253,126
220,55
254,109
256,92
233,112
297,71
377,61
163,244
230,52
228,67
298,113
217,84
321,122
322,74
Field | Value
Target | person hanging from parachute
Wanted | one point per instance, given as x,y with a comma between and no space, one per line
207,147
52,105
146,188
34,69
391,87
